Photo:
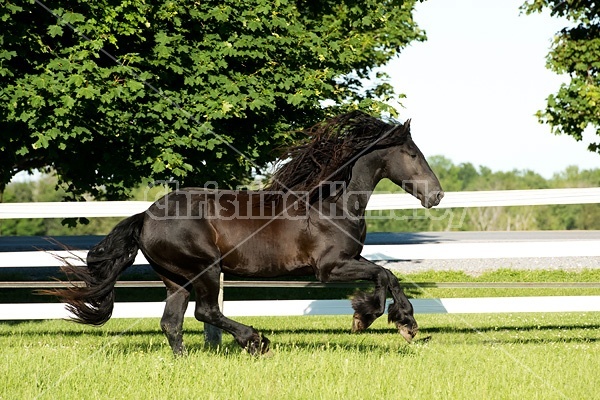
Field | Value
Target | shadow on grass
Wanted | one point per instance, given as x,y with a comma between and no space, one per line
401,348
424,330
506,327
230,348
543,341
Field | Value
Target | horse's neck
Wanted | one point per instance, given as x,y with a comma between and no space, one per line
366,173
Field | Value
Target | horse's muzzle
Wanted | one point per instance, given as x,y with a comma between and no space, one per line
432,199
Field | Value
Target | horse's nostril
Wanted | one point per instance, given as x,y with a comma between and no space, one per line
440,195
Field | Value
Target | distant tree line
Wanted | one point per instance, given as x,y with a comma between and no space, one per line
454,178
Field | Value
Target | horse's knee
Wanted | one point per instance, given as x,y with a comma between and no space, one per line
208,314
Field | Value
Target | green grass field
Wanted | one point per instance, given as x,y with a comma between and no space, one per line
504,356
519,356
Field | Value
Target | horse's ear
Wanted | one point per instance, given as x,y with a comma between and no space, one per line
402,130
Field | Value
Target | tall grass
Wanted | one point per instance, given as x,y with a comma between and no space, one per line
519,356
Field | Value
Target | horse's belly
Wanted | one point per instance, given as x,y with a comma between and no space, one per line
273,271
265,248
264,261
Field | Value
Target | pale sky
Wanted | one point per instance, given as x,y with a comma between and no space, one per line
473,87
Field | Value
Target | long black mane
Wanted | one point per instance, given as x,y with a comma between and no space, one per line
329,152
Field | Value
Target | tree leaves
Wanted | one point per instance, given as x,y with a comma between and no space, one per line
200,91
55,30
575,51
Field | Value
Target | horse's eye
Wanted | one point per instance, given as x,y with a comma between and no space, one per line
413,155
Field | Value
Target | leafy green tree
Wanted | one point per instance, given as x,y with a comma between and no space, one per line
108,92
575,51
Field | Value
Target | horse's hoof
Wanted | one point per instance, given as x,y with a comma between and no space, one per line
357,323
180,352
265,346
259,346
406,333
268,354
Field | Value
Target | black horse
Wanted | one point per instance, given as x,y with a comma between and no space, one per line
308,221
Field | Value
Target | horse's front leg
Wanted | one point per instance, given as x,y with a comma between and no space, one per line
368,307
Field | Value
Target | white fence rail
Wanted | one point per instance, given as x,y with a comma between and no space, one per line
589,248
374,252
273,308
397,201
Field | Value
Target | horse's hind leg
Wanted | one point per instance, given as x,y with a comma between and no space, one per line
400,312
171,323
366,310
207,310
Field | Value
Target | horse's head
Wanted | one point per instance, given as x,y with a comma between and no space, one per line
406,166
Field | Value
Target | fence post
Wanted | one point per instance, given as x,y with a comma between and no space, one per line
212,334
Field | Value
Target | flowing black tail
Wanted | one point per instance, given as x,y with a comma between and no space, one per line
93,303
